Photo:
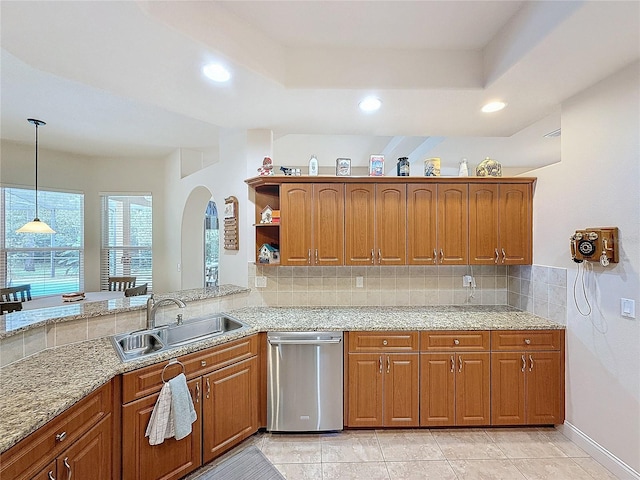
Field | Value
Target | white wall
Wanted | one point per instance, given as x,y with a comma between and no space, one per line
597,183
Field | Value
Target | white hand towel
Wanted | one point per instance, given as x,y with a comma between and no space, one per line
182,411
160,425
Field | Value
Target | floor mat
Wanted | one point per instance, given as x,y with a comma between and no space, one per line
249,464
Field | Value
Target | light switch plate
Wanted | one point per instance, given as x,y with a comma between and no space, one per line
261,282
627,308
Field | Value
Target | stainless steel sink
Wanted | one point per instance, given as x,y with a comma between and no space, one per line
139,344
199,329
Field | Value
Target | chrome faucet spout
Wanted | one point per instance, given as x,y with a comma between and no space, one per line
152,307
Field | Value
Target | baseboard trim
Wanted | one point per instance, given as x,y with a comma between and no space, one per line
598,452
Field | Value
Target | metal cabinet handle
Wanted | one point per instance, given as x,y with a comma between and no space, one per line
384,342
441,256
453,364
197,392
530,363
459,363
66,464
527,341
379,256
51,477
208,388
495,260
373,257
435,256
388,364
203,363
504,256
61,436
380,363
524,363
316,256
309,257
456,341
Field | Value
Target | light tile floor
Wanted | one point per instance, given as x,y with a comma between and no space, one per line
448,454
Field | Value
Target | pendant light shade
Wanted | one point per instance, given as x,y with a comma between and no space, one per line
36,225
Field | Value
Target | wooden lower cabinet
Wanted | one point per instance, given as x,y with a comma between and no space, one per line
383,390
172,458
229,407
454,389
527,388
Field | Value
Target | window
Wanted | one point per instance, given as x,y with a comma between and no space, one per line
126,238
211,245
54,263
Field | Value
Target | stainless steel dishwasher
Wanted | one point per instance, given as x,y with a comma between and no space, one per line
305,381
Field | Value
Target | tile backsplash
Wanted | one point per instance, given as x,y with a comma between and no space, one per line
540,290
381,286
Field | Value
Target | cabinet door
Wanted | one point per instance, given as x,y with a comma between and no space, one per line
359,224
507,388
90,456
295,224
328,224
453,224
391,224
544,387
401,396
437,389
229,407
473,398
515,224
48,473
172,458
483,224
421,224
365,390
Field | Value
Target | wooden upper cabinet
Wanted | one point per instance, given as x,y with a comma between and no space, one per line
359,224
500,224
391,224
421,224
312,224
453,224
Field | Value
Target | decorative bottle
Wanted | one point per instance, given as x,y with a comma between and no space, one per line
464,168
403,166
313,166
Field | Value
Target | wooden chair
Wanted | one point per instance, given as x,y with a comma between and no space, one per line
19,293
120,284
134,291
9,307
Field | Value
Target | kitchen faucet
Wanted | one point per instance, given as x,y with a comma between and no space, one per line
152,307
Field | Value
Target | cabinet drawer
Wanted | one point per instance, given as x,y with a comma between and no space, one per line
148,380
34,452
527,340
383,341
463,340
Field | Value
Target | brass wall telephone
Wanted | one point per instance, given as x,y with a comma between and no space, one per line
595,245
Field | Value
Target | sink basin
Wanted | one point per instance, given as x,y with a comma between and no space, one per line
137,344
199,329
130,346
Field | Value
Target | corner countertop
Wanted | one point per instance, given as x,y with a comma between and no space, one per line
36,389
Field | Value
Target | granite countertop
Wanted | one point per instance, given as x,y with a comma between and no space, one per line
36,389
16,322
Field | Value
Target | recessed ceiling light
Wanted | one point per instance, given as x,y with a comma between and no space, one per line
370,104
216,72
493,107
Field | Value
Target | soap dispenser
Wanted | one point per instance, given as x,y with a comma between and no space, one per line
313,166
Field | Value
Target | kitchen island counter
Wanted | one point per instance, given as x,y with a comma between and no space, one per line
37,388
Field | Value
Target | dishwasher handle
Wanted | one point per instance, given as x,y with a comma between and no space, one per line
298,341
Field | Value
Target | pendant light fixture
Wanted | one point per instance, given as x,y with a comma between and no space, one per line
36,225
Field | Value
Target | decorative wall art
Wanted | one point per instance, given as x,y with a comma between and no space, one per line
231,241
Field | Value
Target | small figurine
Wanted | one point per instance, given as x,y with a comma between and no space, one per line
266,169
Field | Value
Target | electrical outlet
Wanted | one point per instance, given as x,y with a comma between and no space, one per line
466,280
179,267
261,282
359,282
627,308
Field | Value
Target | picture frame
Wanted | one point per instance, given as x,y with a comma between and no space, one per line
376,165
343,167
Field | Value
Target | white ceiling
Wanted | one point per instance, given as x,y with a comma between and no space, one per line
124,78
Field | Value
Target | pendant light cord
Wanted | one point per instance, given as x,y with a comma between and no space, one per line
37,123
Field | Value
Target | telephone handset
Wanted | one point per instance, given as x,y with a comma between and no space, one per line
585,245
